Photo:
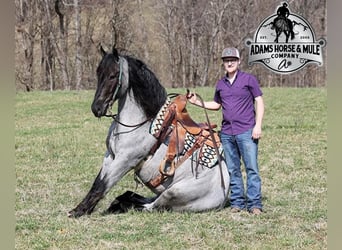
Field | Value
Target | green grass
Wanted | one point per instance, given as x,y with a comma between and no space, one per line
59,146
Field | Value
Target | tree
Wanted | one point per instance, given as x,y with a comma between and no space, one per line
78,54
26,33
57,41
215,15
60,43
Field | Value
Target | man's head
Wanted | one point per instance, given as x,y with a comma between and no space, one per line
230,52
231,59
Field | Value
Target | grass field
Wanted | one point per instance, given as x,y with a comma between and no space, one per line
59,146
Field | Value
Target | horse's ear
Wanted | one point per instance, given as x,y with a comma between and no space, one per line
115,52
103,52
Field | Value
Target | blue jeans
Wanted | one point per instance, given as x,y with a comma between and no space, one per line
236,147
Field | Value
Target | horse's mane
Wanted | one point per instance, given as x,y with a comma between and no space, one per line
147,90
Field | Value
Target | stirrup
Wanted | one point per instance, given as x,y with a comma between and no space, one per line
163,170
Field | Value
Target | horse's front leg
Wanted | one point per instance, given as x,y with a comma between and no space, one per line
95,194
277,36
87,205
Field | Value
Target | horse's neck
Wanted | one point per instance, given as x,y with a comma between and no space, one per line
129,110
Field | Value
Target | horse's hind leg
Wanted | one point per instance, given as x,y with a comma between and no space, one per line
287,35
173,199
126,201
190,195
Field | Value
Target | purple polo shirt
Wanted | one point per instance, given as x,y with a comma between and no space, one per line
237,101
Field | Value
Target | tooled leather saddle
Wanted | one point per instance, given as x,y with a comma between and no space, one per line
174,127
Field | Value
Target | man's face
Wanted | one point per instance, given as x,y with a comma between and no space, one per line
231,64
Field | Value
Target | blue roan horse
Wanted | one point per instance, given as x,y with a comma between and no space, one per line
140,97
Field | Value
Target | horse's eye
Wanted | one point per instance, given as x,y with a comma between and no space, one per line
112,77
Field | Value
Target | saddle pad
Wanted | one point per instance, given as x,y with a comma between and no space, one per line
208,154
158,121
208,157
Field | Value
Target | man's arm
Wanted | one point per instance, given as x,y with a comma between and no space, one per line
211,105
259,109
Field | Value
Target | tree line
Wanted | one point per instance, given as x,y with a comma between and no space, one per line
57,41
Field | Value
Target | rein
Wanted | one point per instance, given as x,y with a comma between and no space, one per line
126,125
214,141
210,130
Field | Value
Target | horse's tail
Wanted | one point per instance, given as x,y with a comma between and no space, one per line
290,26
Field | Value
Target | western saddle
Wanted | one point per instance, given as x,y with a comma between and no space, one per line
174,128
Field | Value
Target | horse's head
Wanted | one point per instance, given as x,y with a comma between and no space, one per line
109,77
118,74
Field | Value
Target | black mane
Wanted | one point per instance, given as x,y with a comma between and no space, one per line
147,90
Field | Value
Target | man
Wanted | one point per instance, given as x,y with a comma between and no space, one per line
283,11
239,95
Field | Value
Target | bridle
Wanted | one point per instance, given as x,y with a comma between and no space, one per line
117,88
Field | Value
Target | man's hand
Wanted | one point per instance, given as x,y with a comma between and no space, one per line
256,133
192,98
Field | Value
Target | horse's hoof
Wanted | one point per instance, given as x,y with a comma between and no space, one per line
71,214
115,208
74,214
148,207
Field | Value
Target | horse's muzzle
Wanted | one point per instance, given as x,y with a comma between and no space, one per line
99,109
